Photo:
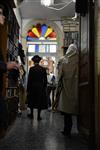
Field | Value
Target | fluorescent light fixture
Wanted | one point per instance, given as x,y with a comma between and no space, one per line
52,5
47,2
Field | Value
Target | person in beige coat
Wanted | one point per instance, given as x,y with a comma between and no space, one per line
68,85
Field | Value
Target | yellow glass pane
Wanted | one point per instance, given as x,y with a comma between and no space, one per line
49,30
35,31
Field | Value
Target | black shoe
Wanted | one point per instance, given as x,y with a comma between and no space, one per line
19,114
66,134
30,116
39,118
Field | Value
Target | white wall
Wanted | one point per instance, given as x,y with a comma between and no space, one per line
19,19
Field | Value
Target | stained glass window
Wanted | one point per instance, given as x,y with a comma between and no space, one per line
42,39
42,48
41,32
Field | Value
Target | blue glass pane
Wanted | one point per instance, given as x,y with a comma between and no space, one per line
46,48
29,38
36,48
44,29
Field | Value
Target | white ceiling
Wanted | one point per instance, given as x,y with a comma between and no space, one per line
32,9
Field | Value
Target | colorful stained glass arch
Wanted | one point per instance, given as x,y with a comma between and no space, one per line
41,32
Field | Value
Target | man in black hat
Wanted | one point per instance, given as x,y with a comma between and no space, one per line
36,87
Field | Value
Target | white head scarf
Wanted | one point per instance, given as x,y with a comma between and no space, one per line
72,49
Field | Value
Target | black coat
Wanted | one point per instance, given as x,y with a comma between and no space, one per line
36,87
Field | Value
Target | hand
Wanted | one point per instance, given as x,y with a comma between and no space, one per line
12,65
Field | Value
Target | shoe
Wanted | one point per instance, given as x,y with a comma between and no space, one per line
30,116
39,118
19,114
49,108
66,134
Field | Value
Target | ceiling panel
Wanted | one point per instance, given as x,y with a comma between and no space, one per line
32,9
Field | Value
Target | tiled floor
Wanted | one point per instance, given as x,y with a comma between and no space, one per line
28,134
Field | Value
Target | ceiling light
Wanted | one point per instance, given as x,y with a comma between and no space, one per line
51,4
47,2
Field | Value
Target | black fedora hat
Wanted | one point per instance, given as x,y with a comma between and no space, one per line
36,58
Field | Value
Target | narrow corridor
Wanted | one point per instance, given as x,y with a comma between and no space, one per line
27,134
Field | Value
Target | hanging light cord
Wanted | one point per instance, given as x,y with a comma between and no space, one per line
65,5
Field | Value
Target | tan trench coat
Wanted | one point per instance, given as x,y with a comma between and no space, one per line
68,101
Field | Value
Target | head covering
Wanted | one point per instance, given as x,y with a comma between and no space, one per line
36,59
71,49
